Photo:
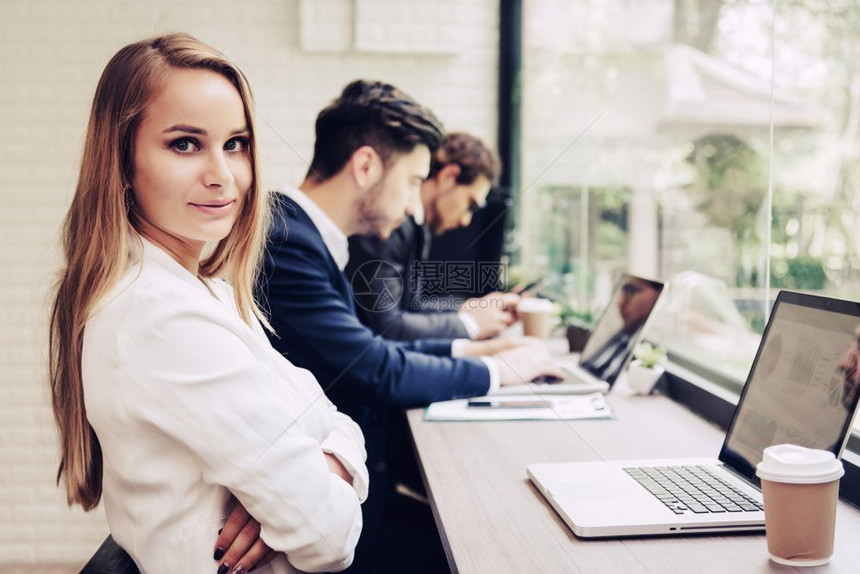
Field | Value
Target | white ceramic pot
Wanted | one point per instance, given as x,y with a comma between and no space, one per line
641,378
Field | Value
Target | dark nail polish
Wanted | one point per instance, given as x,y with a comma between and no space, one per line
240,569
224,568
219,553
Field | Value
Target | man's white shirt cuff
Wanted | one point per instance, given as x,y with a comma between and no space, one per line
469,323
458,347
492,366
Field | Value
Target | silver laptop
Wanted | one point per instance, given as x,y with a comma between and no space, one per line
802,389
610,346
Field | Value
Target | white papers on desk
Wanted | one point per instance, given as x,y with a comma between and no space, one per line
566,407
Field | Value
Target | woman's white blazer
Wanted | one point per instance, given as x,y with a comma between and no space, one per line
191,404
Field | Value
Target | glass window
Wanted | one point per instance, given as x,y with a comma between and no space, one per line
710,144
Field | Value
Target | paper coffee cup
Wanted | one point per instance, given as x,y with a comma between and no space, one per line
537,316
800,487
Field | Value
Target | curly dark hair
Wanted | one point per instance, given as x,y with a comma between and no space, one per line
472,155
375,114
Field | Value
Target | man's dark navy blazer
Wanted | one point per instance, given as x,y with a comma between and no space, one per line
419,313
311,308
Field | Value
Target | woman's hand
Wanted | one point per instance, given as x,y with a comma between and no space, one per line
239,548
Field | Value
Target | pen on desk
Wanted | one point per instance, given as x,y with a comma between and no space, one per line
497,404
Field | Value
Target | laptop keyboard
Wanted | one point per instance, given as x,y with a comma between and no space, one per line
692,489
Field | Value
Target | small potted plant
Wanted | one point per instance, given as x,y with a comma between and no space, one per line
578,324
647,368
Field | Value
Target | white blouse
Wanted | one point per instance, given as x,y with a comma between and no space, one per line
191,404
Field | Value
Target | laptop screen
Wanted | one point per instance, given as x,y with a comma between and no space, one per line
611,342
803,385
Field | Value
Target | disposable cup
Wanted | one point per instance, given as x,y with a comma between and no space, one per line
537,316
800,487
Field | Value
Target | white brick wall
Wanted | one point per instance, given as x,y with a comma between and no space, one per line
51,54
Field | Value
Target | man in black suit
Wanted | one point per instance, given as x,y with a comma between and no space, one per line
371,155
462,171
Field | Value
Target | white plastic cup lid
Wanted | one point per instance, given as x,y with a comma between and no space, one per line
535,305
795,464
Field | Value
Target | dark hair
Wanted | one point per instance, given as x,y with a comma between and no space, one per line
472,155
374,114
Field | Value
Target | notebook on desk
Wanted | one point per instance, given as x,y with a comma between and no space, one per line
610,346
801,389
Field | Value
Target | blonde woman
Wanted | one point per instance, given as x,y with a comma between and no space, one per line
168,396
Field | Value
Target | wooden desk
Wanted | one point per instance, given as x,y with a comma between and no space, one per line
493,520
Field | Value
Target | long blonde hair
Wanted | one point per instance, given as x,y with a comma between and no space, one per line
101,220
